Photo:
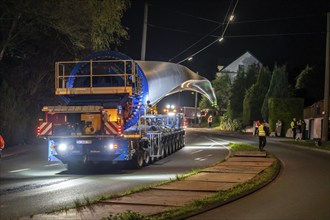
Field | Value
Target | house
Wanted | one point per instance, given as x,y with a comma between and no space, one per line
244,61
313,116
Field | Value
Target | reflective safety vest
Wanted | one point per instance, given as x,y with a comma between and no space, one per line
261,131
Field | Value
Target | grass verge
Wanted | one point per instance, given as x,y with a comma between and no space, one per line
218,199
311,144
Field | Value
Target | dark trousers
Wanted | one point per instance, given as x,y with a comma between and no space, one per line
294,132
262,142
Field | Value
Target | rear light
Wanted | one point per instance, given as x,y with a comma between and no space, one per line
111,146
119,129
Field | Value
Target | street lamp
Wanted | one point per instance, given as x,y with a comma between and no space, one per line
231,17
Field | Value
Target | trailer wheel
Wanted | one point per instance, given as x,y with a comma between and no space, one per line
161,151
146,157
166,148
173,145
177,144
137,161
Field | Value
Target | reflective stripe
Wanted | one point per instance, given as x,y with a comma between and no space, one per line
261,131
46,128
111,127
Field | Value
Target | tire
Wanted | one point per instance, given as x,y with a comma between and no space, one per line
173,145
137,161
162,150
166,148
146,158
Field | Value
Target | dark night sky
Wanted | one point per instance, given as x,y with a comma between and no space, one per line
288,32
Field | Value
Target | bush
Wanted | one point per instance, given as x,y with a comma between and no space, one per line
227,124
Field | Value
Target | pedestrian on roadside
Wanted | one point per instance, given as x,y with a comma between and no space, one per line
294,128
278,129
299,130
2,145
262,133
303,129
209,120
256,128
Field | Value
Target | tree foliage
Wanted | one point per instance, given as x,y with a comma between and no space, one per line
35,34
308,85
244,80
254,97
222,86
84,24
278,88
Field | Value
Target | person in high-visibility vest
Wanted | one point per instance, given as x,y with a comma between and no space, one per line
209,120
2,144
262,133
294,128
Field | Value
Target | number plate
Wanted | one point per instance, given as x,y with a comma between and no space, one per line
83,141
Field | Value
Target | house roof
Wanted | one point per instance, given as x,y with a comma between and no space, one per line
246,59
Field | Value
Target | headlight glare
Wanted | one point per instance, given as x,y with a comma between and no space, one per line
62,147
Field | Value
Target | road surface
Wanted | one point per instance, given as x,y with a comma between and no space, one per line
301,191
31,185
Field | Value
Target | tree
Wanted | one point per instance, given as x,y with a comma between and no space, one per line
86,24
278,88
254,97
221,85
308,85
243,81
35,34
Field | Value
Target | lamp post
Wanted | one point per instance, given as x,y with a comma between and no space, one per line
325,128
144,33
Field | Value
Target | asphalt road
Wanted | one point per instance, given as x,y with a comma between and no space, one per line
301,191
31,185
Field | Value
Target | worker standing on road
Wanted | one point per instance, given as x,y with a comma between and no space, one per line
2,144
262,133
209,120
294,128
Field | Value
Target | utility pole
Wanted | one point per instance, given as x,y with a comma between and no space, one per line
325,128
144,33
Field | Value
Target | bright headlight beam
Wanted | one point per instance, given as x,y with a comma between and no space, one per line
62,147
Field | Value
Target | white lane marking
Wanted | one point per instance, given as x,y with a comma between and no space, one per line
52,165
228,148
200,159
21,170
197,151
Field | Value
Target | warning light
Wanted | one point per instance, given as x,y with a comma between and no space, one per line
38,130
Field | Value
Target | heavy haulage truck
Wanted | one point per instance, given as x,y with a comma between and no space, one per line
104,116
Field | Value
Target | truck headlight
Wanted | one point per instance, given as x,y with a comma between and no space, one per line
62,147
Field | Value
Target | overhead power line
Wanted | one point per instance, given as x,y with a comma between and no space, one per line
205,36
220,39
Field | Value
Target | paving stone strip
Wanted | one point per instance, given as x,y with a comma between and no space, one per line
238,169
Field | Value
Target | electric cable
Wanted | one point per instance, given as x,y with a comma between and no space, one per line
207,46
